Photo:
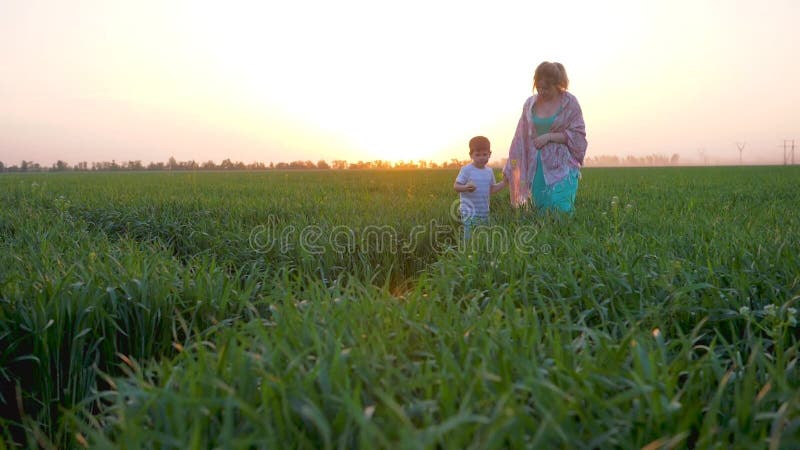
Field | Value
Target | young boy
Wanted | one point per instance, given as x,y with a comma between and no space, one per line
475,182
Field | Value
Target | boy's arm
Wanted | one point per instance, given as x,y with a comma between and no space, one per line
498,186
461,184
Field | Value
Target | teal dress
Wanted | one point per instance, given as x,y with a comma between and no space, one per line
560,196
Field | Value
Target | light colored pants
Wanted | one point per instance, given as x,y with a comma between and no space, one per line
471,222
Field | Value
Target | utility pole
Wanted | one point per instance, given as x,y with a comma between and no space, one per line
788,149
740,147
702,153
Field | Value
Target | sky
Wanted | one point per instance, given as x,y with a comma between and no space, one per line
96,80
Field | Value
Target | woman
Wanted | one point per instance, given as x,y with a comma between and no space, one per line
549,145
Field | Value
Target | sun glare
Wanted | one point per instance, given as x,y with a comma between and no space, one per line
364,80
396,107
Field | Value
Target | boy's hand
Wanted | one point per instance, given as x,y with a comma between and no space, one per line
468,187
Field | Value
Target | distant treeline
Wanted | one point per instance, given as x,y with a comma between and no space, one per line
227,164
649,160
339,164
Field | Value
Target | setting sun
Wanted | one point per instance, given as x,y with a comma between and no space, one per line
356,80
350,224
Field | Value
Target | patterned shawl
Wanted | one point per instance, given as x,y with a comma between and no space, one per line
557,159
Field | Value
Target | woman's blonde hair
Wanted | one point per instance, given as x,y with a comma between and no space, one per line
552,72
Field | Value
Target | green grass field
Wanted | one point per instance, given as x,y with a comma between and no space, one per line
340,309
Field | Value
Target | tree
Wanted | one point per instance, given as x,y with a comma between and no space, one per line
188,165
2,167
339,164
674,159
60,166
23,166
135,165
321,164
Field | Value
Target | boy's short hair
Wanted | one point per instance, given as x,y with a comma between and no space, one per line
479,143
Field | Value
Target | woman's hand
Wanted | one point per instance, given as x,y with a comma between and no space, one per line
541,140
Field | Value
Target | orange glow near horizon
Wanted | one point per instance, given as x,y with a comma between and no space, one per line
355,80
